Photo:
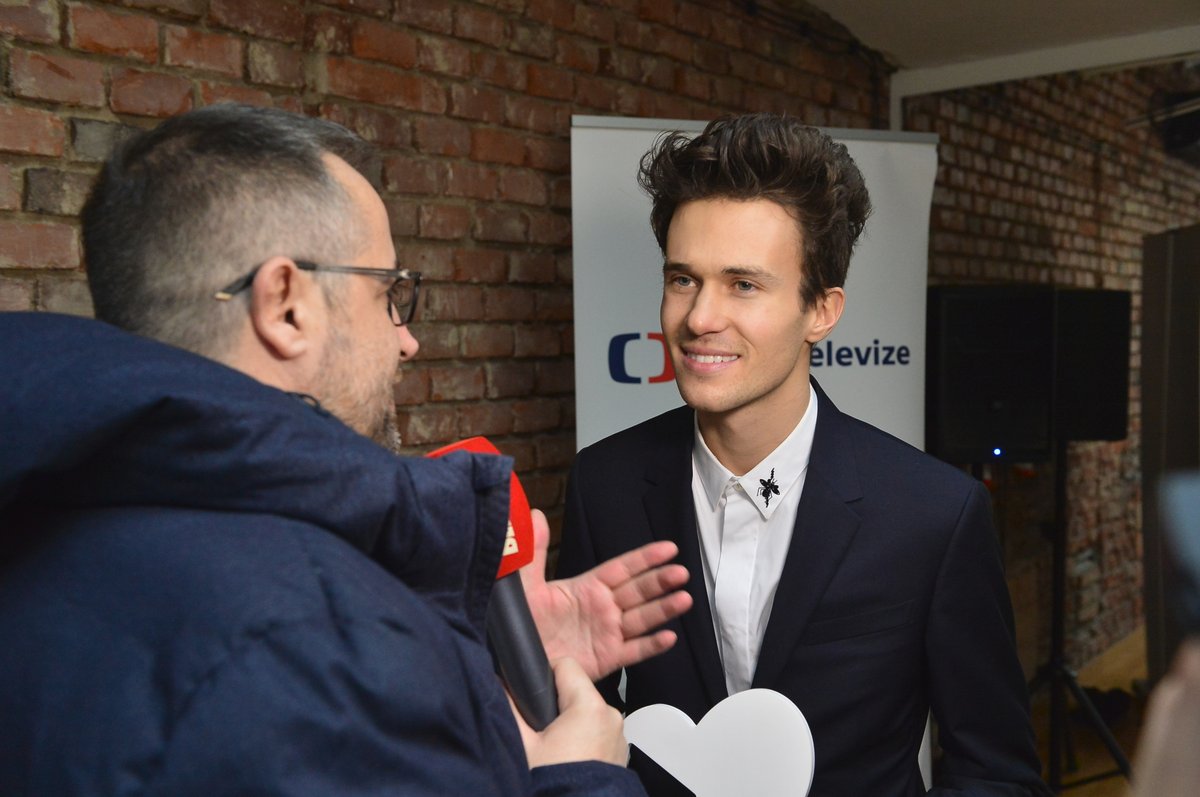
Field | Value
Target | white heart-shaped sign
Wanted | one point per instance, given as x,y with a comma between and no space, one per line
754,742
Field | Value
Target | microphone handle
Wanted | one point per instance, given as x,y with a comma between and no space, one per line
523,663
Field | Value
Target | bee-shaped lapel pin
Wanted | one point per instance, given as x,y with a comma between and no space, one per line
769,488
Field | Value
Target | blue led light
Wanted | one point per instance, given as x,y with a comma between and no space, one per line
996,452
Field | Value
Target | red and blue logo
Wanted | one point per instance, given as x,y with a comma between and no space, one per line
617,366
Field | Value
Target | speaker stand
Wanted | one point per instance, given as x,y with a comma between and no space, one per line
1055,674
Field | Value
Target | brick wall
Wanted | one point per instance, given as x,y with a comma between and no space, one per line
470,103
1042,181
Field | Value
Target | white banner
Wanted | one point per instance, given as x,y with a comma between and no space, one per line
872,366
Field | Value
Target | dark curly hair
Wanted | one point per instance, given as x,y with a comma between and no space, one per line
766,156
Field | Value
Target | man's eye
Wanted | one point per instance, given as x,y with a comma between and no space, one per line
681,281
743,286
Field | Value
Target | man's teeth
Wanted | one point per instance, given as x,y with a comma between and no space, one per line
713,358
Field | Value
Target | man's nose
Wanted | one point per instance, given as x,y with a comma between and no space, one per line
409,345
708,312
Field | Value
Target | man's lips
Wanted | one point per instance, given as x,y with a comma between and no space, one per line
710,358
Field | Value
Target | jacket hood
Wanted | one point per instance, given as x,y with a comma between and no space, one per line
94,417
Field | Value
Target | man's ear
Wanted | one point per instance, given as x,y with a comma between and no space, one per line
284,308
826,311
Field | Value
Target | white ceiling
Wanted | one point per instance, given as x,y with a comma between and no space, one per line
946,44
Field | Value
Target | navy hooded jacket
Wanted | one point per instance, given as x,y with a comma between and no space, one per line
209,587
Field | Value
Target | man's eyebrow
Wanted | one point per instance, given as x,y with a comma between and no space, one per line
756,273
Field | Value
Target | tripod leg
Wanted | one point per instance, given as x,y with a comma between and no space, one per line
1097,723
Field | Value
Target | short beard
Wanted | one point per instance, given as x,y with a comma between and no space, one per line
387,431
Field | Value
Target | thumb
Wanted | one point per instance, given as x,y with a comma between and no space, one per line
573,684
535,571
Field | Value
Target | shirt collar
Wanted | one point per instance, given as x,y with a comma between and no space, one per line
788,461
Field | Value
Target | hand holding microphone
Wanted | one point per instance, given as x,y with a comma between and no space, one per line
510,627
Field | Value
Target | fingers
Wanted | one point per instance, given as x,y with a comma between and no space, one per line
650,585
535,572
645,618
630,564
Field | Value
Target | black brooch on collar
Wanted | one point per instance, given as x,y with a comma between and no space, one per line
769,488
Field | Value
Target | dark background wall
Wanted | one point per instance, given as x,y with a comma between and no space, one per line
470,103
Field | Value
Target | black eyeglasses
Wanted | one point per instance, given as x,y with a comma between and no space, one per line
402,295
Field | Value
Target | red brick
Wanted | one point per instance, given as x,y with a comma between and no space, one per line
456,383
535,41
537,415
560,193
555,378
508,379
434,15
96,30
500,69
490,418
270,19
548,227
402,217
384,41
444,221
554,305
405,174
10,189
428,425
25,244
596,23
592,92
582,56
497,146
487,340
474,180
692,83
472,102
149,93
526,266
198,49
479,265
444,57
524,186
388,129
536,340
36,21
542,489
57,78
435,135
501,224
328,32
479,25
455,302
16,295
552,155
439,341
540,116
555,452
382,85
275,65
191,9
508,304
31,131
376,7
212,93
550,81
412,383
559,13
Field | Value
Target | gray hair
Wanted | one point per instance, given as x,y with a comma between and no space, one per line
179,211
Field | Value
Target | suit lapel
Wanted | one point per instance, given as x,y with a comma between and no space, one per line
825,527
672,515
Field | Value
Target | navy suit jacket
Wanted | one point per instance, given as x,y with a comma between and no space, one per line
892,603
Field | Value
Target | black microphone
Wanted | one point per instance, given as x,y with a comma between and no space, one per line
511,631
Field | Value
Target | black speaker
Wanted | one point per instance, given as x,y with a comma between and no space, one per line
1091,369
1010,369
989,370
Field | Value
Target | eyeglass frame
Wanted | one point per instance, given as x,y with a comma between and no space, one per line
400,316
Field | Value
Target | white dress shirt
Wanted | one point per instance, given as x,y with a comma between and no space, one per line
745,525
